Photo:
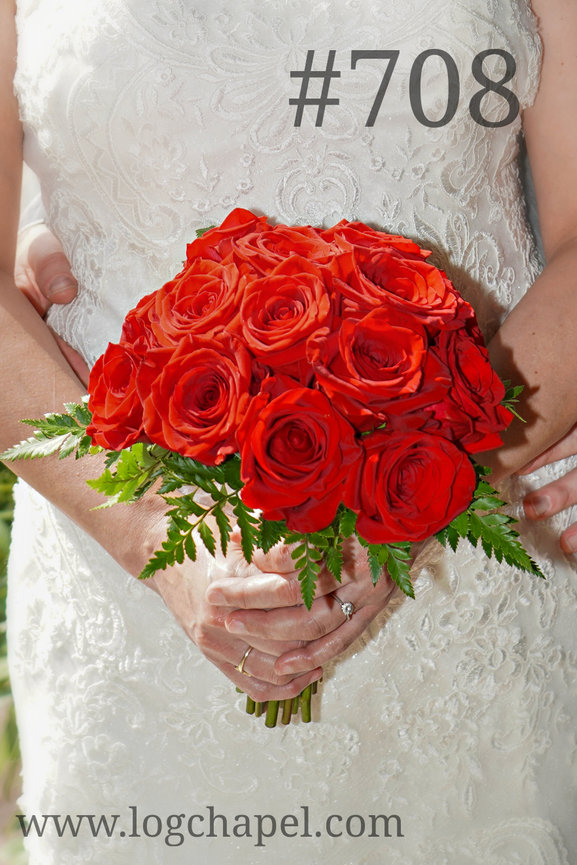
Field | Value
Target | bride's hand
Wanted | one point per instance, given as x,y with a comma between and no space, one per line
42,272
559,494
270,607
287,641
184,590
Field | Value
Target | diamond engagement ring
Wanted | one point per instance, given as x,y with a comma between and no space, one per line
346,606
240,665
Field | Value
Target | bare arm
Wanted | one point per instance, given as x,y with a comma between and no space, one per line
536,344
35,378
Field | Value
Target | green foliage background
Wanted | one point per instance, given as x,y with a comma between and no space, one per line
11,852
6,483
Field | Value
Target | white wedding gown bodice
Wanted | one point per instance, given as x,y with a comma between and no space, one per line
146,120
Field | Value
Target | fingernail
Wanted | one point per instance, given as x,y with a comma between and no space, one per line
569,544
235,626
60,284
540,505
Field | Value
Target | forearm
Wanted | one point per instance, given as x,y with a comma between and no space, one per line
536,347
35,379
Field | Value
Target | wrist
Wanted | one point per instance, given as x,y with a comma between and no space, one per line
139,530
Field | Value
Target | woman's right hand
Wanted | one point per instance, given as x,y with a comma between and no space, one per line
43,275
42,272
271,607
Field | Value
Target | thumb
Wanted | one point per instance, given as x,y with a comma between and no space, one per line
51,268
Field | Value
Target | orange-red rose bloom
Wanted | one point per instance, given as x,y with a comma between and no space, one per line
472,412
295,455
195,396
203,299
280,311
410,485
376,365
114,403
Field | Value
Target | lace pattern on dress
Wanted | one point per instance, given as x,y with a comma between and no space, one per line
148,119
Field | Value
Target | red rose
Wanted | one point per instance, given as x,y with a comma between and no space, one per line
374,277
137,331
114,402
378,365
195,396
471,413
296,452
217,243
263,250
356,234
410,486
203,299
280,311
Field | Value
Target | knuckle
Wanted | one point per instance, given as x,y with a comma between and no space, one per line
314,628
243,596
307,659
278,680
294,688
257,690
201,636
291,592
262,691
51,262
566,496
280,559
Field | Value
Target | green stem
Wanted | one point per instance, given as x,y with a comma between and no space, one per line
271,713
287,707
258,709
220,503
250,706
306,705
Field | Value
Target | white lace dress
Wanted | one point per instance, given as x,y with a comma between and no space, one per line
146,119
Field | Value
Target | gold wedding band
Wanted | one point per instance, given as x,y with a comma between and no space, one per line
240,665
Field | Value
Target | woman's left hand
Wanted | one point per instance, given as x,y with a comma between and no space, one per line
559,494
271,607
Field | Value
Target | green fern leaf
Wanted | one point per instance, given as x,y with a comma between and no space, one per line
347,522
248,525
498,538
399,566
224,528
207,537
34,448
270,533
308,566
334,560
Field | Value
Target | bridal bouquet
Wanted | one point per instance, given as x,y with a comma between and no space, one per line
313,384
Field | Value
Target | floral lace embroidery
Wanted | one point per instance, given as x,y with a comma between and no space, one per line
146,120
